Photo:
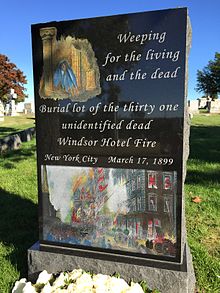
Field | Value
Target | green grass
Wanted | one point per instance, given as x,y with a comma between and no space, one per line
18,206
14,124
203,219
18,210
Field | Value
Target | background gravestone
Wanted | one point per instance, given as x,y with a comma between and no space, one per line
2,110
112,144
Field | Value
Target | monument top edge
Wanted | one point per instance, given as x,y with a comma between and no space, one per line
110,15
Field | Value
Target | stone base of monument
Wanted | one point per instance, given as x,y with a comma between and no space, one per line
165,276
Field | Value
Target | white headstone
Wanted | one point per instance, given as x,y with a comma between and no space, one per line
193,106
1,111
214,107
12,107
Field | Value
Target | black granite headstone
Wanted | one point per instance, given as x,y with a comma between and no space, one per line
110,107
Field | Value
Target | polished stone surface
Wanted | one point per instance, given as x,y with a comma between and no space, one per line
166,280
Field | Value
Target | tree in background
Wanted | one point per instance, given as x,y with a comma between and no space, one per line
208,79
11,77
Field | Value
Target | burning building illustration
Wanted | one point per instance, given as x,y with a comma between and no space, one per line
120,209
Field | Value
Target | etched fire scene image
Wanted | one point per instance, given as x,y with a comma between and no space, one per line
70,68
129,210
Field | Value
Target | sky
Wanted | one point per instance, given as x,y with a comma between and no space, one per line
18,15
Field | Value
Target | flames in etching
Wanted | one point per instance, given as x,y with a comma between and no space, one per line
70,68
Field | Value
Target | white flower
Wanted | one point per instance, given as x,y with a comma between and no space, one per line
44,277
19,285
47,288
134,288
58,290
85,278
100,279
60,281
117,285
100,283
77,281
71,288
29,288
75,274
84,284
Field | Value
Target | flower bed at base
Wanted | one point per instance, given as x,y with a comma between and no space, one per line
79,281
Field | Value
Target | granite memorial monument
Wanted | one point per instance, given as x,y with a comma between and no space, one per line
112,144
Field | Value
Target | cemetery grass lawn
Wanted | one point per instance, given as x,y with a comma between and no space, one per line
18,210
16,123
203,218
18,206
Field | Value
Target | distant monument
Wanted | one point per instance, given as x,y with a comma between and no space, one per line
214,106
11,107
193,106
28,108
203,102
2,111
